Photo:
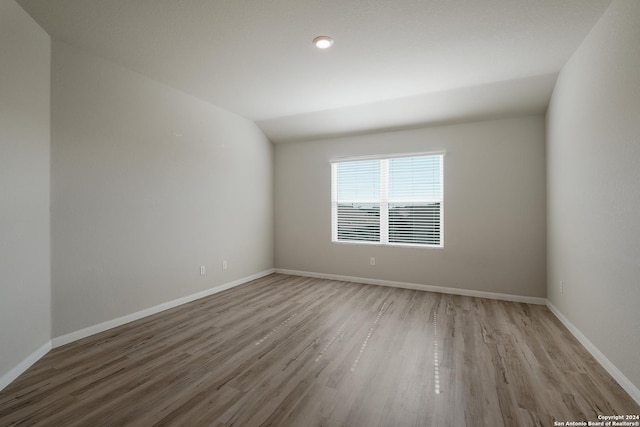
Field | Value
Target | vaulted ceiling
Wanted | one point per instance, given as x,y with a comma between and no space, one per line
394,64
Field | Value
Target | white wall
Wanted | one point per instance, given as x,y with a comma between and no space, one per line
25,296
494,235
148,184
593,137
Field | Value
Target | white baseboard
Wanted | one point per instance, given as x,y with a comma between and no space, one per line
109,324
624,382
7,378
419,287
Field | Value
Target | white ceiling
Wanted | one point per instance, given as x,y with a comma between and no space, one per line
395,63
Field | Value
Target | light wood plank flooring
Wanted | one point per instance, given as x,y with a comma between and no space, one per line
294,351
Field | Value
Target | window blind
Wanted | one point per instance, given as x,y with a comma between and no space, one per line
395,201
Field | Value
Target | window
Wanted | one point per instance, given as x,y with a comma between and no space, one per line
390,201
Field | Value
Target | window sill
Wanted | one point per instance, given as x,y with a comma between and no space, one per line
389,245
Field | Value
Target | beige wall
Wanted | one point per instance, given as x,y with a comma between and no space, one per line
494,180
148,185
25,295
593,137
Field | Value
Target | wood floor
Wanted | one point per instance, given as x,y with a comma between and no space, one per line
293,351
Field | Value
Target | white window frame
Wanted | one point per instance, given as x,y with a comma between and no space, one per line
384,200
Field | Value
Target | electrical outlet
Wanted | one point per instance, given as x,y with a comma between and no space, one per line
372,260
202,270
225,265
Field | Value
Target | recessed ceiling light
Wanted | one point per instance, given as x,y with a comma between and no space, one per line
323,42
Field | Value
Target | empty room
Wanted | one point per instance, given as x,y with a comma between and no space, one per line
320,213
